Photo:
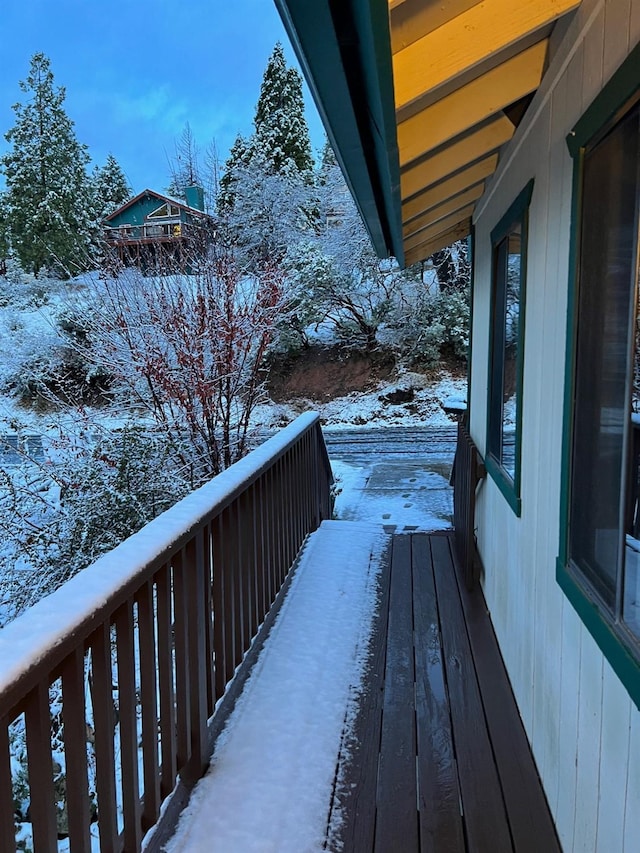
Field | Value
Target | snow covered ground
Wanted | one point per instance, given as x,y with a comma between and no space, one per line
429,398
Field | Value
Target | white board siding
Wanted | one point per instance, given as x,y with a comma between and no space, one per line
632,811
579,718
614,764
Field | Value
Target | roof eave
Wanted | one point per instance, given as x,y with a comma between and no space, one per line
343,49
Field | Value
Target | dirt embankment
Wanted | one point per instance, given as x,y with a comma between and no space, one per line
326,372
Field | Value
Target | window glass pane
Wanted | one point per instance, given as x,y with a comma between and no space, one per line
497,352
631,597
511,350
606,301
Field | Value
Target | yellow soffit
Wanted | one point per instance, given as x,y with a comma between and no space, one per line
455,156
434,244
437,194
448,207
463,71
466,40
471,104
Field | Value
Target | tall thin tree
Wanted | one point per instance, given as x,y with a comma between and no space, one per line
281,131
47,195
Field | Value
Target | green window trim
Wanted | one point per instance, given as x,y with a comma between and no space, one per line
510,489
610,634
517,216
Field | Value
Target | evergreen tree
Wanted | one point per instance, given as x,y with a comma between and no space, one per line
4,233
239,158
110,187
327,156
48,194
281,132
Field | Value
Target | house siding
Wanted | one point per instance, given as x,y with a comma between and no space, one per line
580,720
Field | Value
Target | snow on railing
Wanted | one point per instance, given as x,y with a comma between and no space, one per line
111,682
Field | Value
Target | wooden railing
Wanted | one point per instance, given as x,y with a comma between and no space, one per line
112,681
148,231
468,471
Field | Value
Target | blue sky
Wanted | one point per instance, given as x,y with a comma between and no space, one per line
135,72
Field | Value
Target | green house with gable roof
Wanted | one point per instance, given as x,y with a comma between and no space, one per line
154,231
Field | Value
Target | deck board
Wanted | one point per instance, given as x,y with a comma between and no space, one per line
530,821
397,798
482,803
439,791
441,761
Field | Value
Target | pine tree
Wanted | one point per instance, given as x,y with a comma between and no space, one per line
110,187
327,156
48,196
281,132
5,239
239,158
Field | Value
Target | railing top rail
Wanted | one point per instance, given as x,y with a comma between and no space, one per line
41,637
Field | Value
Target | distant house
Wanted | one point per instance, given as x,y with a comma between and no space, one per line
152,230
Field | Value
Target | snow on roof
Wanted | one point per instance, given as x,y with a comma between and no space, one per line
163,198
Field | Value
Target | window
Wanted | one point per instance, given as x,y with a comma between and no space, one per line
509,241
599,564
164,211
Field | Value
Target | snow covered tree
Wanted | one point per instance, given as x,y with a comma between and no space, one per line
47,196
185,165
238,160
453,270
187,352
110,187
327,157
5,238
92,488
281,132
266,194
270,213
339,270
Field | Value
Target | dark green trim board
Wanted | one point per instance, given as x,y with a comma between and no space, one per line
344,50
516,212
613,638
516,215
619,93
607,634
570,357
472,290
504,483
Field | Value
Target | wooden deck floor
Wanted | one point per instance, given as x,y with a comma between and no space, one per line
442,762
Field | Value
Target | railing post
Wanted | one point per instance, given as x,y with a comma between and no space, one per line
7,829
183,692
196,578
149,705
75,750
220,651
166,682
128,727
208,617
103,721
42,797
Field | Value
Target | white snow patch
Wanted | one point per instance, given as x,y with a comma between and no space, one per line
269,786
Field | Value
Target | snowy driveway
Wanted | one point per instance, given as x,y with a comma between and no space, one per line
393,476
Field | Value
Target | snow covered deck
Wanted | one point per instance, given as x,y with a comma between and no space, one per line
378,718
364,696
